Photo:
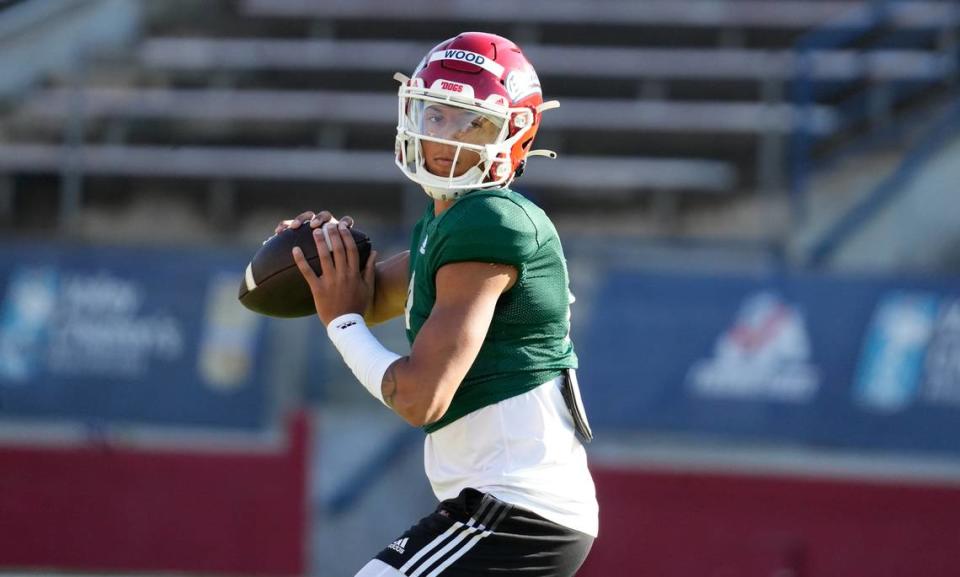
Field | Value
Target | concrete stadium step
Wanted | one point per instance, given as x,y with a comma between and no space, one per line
576,176
704,64
783,14
372,108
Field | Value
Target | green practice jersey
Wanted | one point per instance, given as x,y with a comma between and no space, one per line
528,341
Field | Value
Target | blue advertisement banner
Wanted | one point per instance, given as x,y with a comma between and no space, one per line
135,336
825,360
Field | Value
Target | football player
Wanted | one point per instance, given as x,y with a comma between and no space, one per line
484,295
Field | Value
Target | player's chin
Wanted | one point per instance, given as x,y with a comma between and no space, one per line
437,171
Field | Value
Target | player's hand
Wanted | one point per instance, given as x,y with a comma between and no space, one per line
316,220
341,287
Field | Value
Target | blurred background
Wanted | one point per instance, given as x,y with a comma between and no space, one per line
759,204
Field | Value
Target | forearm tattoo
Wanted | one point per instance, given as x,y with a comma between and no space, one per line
389,386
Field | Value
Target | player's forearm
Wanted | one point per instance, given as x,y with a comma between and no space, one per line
419,402
418,406
420,387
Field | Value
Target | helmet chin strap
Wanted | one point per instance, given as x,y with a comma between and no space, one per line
439,192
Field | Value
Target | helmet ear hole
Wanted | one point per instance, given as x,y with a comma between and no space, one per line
519,171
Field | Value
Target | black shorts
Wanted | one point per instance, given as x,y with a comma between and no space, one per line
477,534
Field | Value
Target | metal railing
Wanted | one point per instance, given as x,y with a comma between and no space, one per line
946,127
865,105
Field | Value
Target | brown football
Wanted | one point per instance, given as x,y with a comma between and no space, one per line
273,285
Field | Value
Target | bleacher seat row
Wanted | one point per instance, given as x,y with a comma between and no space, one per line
210,54
660,95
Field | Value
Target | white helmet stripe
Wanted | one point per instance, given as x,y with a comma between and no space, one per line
470,58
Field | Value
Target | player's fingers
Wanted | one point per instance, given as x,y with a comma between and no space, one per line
350,246
283,225
321,218
348,220
336,247
323,251
304,266
301,218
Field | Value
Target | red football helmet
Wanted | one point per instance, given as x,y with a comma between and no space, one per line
478,97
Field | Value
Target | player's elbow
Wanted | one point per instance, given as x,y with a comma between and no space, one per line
414,419
421,411
434,413
408,412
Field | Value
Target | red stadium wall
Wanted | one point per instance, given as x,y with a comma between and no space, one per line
120,509
673,524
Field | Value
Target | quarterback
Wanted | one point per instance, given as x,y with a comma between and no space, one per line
484,295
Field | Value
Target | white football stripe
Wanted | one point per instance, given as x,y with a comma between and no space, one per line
326,237
251,284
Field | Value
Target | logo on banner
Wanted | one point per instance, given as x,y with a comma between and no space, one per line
25,322
942,385
764,356
82,325
891,363
229,340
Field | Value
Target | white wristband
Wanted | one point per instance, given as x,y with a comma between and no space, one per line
363,353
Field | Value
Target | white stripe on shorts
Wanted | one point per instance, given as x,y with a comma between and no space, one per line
470,544
487,511
430,546
436,542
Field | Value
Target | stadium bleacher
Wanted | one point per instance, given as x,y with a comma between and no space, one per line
212,54
693,99
785,14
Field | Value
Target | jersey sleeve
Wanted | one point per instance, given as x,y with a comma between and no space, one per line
485,229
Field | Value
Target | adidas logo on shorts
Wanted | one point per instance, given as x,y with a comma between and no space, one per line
399,545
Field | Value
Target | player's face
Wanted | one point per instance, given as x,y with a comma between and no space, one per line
458,125
439,158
